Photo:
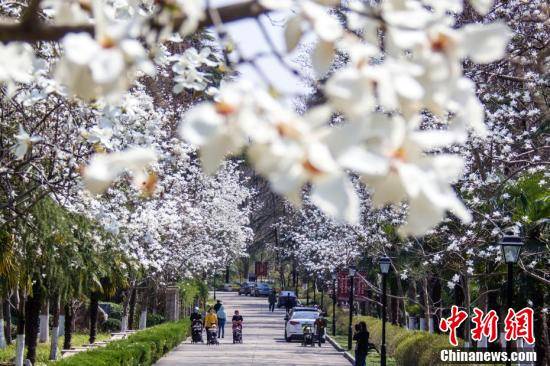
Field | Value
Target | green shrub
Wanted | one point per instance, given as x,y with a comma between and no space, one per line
409,350
115,310
155,319
140,349
111,325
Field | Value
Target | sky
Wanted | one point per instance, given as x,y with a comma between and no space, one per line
247,34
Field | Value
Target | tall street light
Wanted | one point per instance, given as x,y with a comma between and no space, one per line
334,276
384,269
511,247
351,273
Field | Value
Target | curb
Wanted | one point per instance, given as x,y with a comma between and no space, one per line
345,353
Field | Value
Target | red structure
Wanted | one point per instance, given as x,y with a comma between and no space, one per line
260,269
360,287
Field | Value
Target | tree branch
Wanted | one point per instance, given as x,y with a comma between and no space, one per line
46,32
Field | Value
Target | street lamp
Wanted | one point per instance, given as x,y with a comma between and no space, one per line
334,276
385,263
511,247
351,273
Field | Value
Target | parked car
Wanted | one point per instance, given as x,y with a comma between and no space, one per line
303,308
287,297
295,323
246,288
262,289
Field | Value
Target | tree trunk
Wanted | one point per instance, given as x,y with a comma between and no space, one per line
69,315
436,300
227,279
143,318
20,342
32,325
45,322
132,310
55,328
3,343
544,351
426,298
61,328
94,308
401,315
459,301
7,320
467,305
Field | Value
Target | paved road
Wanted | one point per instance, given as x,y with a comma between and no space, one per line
263,342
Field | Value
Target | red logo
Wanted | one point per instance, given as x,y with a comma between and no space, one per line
485,325
519,325
516,325
451,323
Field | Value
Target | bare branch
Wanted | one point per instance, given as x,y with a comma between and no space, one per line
44,32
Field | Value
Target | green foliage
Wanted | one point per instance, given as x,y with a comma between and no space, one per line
140,349
111,325
191,290
115,310
530,198
155,319
413,309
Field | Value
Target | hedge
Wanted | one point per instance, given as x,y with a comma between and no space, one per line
407,347
140,349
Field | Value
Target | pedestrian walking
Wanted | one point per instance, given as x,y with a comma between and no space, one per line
272,300
222,316
362,346
217,306
320,325
210,321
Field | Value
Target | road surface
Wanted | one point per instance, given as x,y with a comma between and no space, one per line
263,341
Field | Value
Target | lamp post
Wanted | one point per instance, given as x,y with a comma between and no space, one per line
511,247
351,273
334,276
384,269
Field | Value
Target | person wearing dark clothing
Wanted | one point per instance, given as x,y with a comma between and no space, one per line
195,315
320,325
217,306
237,318
272,300
362,346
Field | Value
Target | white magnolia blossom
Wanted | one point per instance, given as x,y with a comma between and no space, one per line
105,168
23,143
16,64
186,67
398,61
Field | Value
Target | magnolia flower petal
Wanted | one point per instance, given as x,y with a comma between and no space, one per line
336,197
200,124
423,216
293,32
484,43
322,57
482,6
386,189
362,161
20,150
214,152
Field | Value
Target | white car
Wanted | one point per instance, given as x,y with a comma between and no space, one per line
293,327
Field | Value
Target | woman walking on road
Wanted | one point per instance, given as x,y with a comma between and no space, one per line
210,320
362,346
272,300
222,316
